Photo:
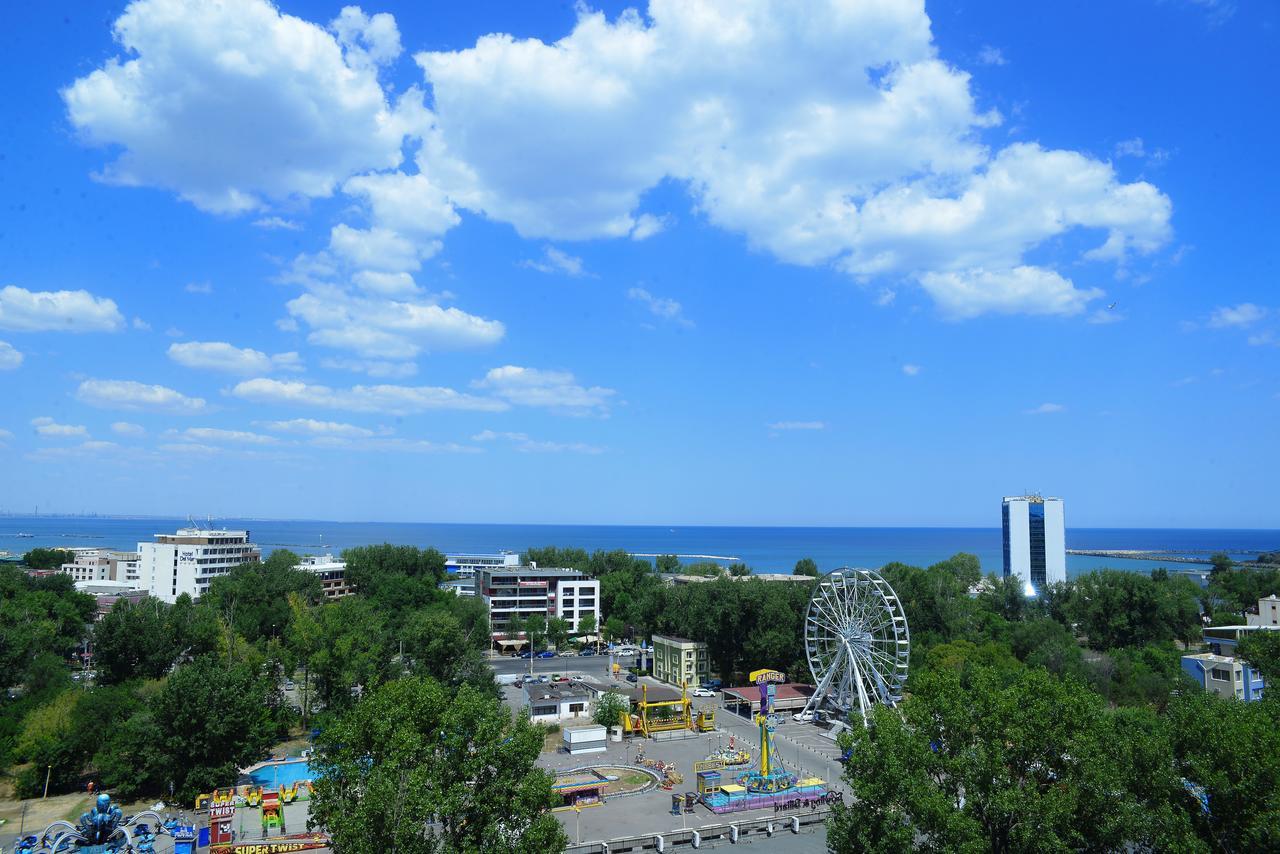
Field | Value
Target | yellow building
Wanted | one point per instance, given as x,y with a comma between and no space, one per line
677,660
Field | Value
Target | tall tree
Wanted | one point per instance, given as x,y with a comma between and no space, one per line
413,768
806,566
1262,651
135,641
991,760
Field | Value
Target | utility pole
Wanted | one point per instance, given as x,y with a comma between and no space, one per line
47,773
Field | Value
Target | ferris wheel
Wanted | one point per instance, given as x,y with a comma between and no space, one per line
857,642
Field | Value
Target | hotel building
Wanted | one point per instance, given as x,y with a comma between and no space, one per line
1035,543
526,590
189,560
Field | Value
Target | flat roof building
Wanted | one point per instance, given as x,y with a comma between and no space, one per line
331,572
518,593
1035,544
94,564
466,565
189,560
680,660
1224,675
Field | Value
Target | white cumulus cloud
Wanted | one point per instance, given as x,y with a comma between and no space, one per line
47,427
1239,316
131,395
312,427
57,311
523,443
217,434
221,356
557,390
126,428
837,136
10,357
233,103
381,328
663,307
555,260
386,399
911,370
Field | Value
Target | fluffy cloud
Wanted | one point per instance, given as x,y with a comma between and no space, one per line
667,309
911,370
387,399
57,311
312,427
556,390
992,56
125,428
1240,316
555,260
393,444
10,358
215,434
381,328
221,356
47,427
524,444
127,394
233,103
1021,290
834,137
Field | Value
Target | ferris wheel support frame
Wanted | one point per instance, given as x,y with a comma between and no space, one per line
847,666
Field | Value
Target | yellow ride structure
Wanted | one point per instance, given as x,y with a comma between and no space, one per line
659,715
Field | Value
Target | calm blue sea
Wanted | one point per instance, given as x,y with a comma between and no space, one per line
764,549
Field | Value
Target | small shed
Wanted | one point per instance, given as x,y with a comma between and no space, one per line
586,739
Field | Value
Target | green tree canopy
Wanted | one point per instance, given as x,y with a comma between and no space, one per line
47,558
610,708
994,760
806,566
414,768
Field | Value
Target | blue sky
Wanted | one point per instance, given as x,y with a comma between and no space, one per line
691,263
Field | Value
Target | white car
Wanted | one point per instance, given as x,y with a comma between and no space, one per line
803,717
703,692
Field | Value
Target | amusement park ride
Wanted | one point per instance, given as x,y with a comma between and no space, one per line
858,645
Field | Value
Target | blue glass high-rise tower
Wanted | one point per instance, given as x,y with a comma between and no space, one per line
1035,544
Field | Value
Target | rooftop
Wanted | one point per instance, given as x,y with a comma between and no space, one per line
530,570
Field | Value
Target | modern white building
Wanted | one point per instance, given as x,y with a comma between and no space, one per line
1035,541
189,560
331,572
94,564
467,565
1268,612
526,590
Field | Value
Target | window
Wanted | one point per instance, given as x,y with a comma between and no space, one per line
1221,674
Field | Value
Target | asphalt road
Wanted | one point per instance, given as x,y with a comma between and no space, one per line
588,665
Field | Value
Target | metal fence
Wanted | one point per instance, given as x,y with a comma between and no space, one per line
748,829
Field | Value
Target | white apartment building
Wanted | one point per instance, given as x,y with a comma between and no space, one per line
189,560
94,564
526,590
467,565
1035,542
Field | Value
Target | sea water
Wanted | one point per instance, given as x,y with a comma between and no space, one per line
765,549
